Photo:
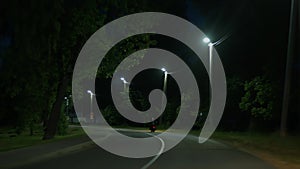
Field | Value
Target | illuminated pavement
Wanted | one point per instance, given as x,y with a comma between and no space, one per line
187,155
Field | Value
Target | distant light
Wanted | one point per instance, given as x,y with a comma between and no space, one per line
206,40
90,92
66,98
163,69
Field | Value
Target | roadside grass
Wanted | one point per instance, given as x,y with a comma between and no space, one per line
9,140
282,152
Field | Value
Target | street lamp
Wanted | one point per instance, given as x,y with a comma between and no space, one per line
91,104
210,48
164,89
67,107
124,83
206,40
165,79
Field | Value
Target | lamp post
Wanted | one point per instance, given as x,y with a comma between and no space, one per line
165,79
124,83
291,52
91,105
210,48
67,107
164,89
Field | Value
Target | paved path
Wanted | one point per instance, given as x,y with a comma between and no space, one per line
81,153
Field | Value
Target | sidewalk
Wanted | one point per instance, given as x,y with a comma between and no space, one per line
20,157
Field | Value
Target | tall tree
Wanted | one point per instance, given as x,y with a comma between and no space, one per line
258,100
79,22
25,63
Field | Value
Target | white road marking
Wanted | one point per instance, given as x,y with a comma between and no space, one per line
158,154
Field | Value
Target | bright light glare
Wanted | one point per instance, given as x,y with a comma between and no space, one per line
206,40
122,78
163,69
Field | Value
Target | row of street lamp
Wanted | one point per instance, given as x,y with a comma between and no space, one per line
205,40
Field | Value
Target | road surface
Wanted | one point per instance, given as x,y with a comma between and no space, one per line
188,154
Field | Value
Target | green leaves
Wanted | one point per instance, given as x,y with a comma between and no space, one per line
258,98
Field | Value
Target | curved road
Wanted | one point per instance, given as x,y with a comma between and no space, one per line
189,154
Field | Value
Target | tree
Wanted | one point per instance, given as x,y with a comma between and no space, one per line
82,21
25,69
258,99
46,39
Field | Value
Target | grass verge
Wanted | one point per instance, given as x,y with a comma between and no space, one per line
10,141
283,153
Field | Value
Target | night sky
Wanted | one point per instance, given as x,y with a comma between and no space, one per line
258,33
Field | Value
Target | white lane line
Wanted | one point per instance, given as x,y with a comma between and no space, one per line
158,154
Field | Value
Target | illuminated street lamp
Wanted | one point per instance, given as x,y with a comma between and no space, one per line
124,83
165,79
68,114
91,104
164,88
210,47
206,40
67,105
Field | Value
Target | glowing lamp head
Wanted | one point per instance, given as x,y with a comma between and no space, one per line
206,40
89,92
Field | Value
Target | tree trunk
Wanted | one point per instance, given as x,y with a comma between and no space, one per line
51,125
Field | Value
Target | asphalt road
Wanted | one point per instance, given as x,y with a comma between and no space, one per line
189,154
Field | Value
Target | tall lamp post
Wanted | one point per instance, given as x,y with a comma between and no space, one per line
124,83
210,49
164,88
291,52
67,107
91,105
165,79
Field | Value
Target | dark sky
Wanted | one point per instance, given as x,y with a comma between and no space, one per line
258,32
